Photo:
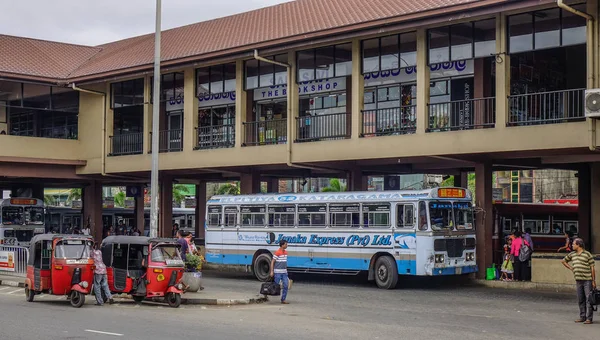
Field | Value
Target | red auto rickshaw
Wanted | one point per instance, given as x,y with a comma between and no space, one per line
60,265
144,267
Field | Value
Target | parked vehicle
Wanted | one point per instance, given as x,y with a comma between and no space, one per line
145,268
60,265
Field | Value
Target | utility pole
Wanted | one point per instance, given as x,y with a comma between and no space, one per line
155,119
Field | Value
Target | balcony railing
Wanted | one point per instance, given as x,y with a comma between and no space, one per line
462,114
168,141
126,144
546,107
389,121
217,136
317,127
265,132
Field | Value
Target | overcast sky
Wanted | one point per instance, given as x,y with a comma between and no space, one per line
92,22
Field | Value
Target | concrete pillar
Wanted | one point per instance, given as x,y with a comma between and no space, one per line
147,115
356,181
92,209
293,104
502,72
358,89
241,104
200,210
423,79
139,211
584,212
462,180
250,184
594,225
165,201
190,110
484,220
273,185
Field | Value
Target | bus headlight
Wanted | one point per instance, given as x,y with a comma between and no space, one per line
440,259
470,257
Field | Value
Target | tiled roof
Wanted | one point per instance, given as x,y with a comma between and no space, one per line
292,20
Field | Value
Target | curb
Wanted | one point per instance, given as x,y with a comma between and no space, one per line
548,287
12,283
222,302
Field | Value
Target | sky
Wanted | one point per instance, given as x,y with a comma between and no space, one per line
92,22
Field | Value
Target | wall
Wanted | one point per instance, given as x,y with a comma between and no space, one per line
91,122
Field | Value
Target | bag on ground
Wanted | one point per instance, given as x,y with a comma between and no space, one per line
270,288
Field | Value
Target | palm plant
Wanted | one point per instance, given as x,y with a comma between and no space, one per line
335,185
229,189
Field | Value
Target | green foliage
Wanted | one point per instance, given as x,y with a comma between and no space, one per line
334,186
193,262
75,195
229,189
49,200
180,192
120,199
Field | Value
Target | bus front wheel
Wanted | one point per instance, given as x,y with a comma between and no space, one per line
386,273
262,267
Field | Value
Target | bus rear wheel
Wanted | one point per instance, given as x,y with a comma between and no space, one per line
386,273
262,267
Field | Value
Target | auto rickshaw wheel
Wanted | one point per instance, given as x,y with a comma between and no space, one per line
29,294
138,298
173,299
77,299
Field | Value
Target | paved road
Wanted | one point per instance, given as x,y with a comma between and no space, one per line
322,308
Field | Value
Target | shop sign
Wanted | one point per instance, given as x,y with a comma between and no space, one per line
7,261
304,88
214,99
497,195
129,204
76,204
190,203
409,74
175,103
108,202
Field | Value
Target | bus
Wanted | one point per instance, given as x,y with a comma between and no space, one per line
20,220
66,219
548,223
386,234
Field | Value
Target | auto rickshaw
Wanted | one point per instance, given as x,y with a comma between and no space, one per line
144,267
60,265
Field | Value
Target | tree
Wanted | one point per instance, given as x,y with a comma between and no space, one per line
74,195
229,189
120,199
179,193
334,186
49,200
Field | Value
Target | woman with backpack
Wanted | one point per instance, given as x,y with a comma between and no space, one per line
520,245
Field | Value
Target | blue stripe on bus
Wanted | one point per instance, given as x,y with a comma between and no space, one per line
452,270
404,266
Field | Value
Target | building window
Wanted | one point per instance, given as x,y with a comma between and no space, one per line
546,29
127,93
324,62
389,53
215,79
171,87
263,74
462,41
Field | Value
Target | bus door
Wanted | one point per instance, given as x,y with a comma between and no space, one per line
405,238
231,226
214,239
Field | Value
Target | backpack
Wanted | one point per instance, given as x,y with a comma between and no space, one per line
594,299
524,252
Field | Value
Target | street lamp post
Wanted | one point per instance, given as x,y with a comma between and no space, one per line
155,119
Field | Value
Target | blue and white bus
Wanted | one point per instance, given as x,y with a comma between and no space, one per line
391,233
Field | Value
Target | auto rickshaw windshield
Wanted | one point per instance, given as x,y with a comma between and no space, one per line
73,249
163,253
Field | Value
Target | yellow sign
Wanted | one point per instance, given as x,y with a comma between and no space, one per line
160,277
451,193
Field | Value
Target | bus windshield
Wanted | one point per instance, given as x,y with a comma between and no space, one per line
440,216
20,235
463,213
34,215
73,249
12,215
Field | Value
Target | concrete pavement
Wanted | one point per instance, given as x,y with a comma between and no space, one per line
321,308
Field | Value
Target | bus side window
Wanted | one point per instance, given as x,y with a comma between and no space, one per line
422,216
405,216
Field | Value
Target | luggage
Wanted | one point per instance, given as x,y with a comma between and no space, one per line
594,299
270,288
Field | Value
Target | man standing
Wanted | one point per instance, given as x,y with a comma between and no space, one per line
184,244
279,269
581,263
100,278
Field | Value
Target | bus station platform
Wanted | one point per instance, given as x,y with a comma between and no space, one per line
212,294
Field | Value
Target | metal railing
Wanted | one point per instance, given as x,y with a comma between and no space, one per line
126,144
462,114
16,258
168,141
318,127
389,121
216,136
265,132
546,107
